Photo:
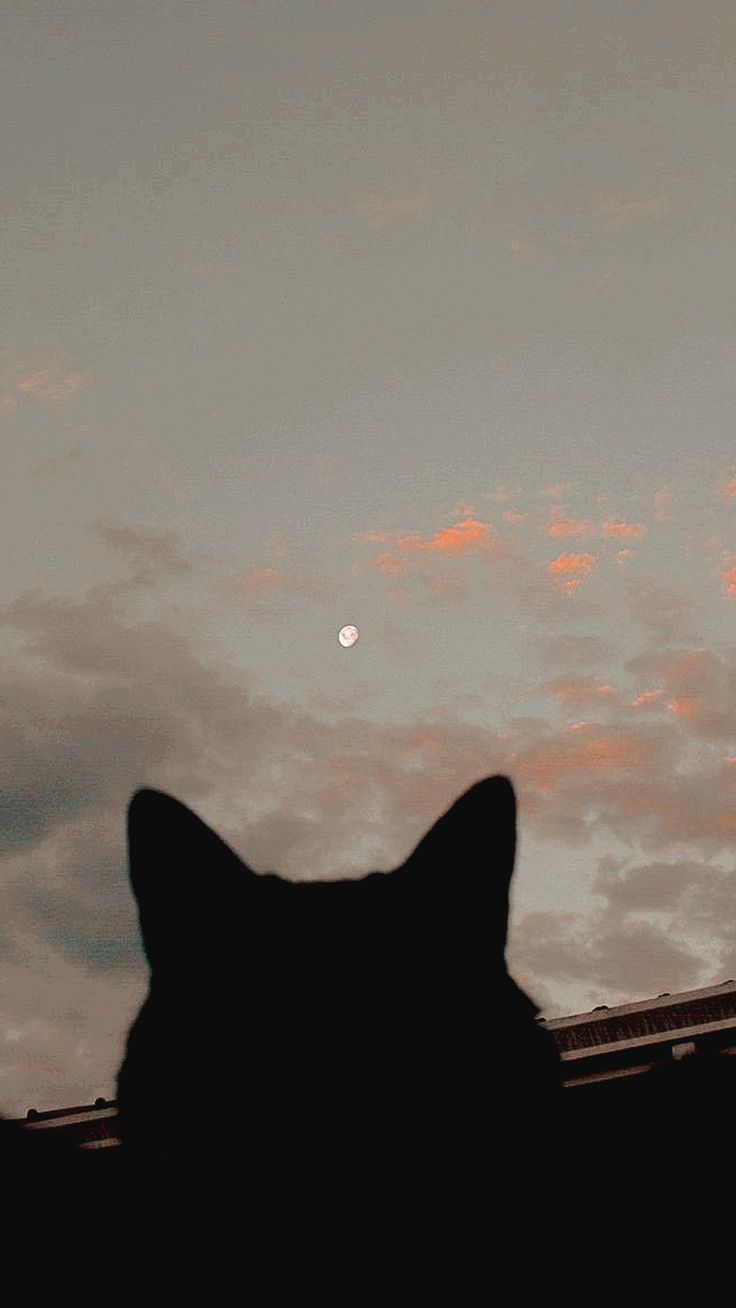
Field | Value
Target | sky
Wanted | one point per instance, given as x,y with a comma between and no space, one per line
418,317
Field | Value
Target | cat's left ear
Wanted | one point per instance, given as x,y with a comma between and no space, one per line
183,875
467,857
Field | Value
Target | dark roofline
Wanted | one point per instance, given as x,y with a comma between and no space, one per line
664,1001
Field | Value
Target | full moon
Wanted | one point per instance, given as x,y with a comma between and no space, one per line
347,636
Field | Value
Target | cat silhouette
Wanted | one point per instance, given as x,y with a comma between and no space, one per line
361,1027
329,1081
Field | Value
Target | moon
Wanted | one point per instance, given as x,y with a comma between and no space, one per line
347,636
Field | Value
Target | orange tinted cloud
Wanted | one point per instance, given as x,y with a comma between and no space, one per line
549,763
729,574
51,384
686,706
728,490
582,692
625,530
372,537
261,581
501,495
571,570
447,587
458,539
389,564
647,697
562,528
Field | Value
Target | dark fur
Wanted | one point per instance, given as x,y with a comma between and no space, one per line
359,1026
332,1081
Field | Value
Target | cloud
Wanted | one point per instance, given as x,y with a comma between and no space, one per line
461,538
616,961
648,698
261,584
562,528
584,691
502,494
415,553
152,555
571,570
729,574
727,490
50,383
625,530
698,687
260,581
664,611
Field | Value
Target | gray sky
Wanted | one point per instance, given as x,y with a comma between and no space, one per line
416,316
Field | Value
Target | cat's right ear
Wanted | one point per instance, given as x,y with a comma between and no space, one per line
183,875
468,856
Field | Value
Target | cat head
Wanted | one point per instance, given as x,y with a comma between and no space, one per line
324,998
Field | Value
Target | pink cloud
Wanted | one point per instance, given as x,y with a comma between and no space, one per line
728,490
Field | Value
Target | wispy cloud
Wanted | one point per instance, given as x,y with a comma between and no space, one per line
647,698
561,528
585,691
51,384
727,490
152,556
624,530
257,582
